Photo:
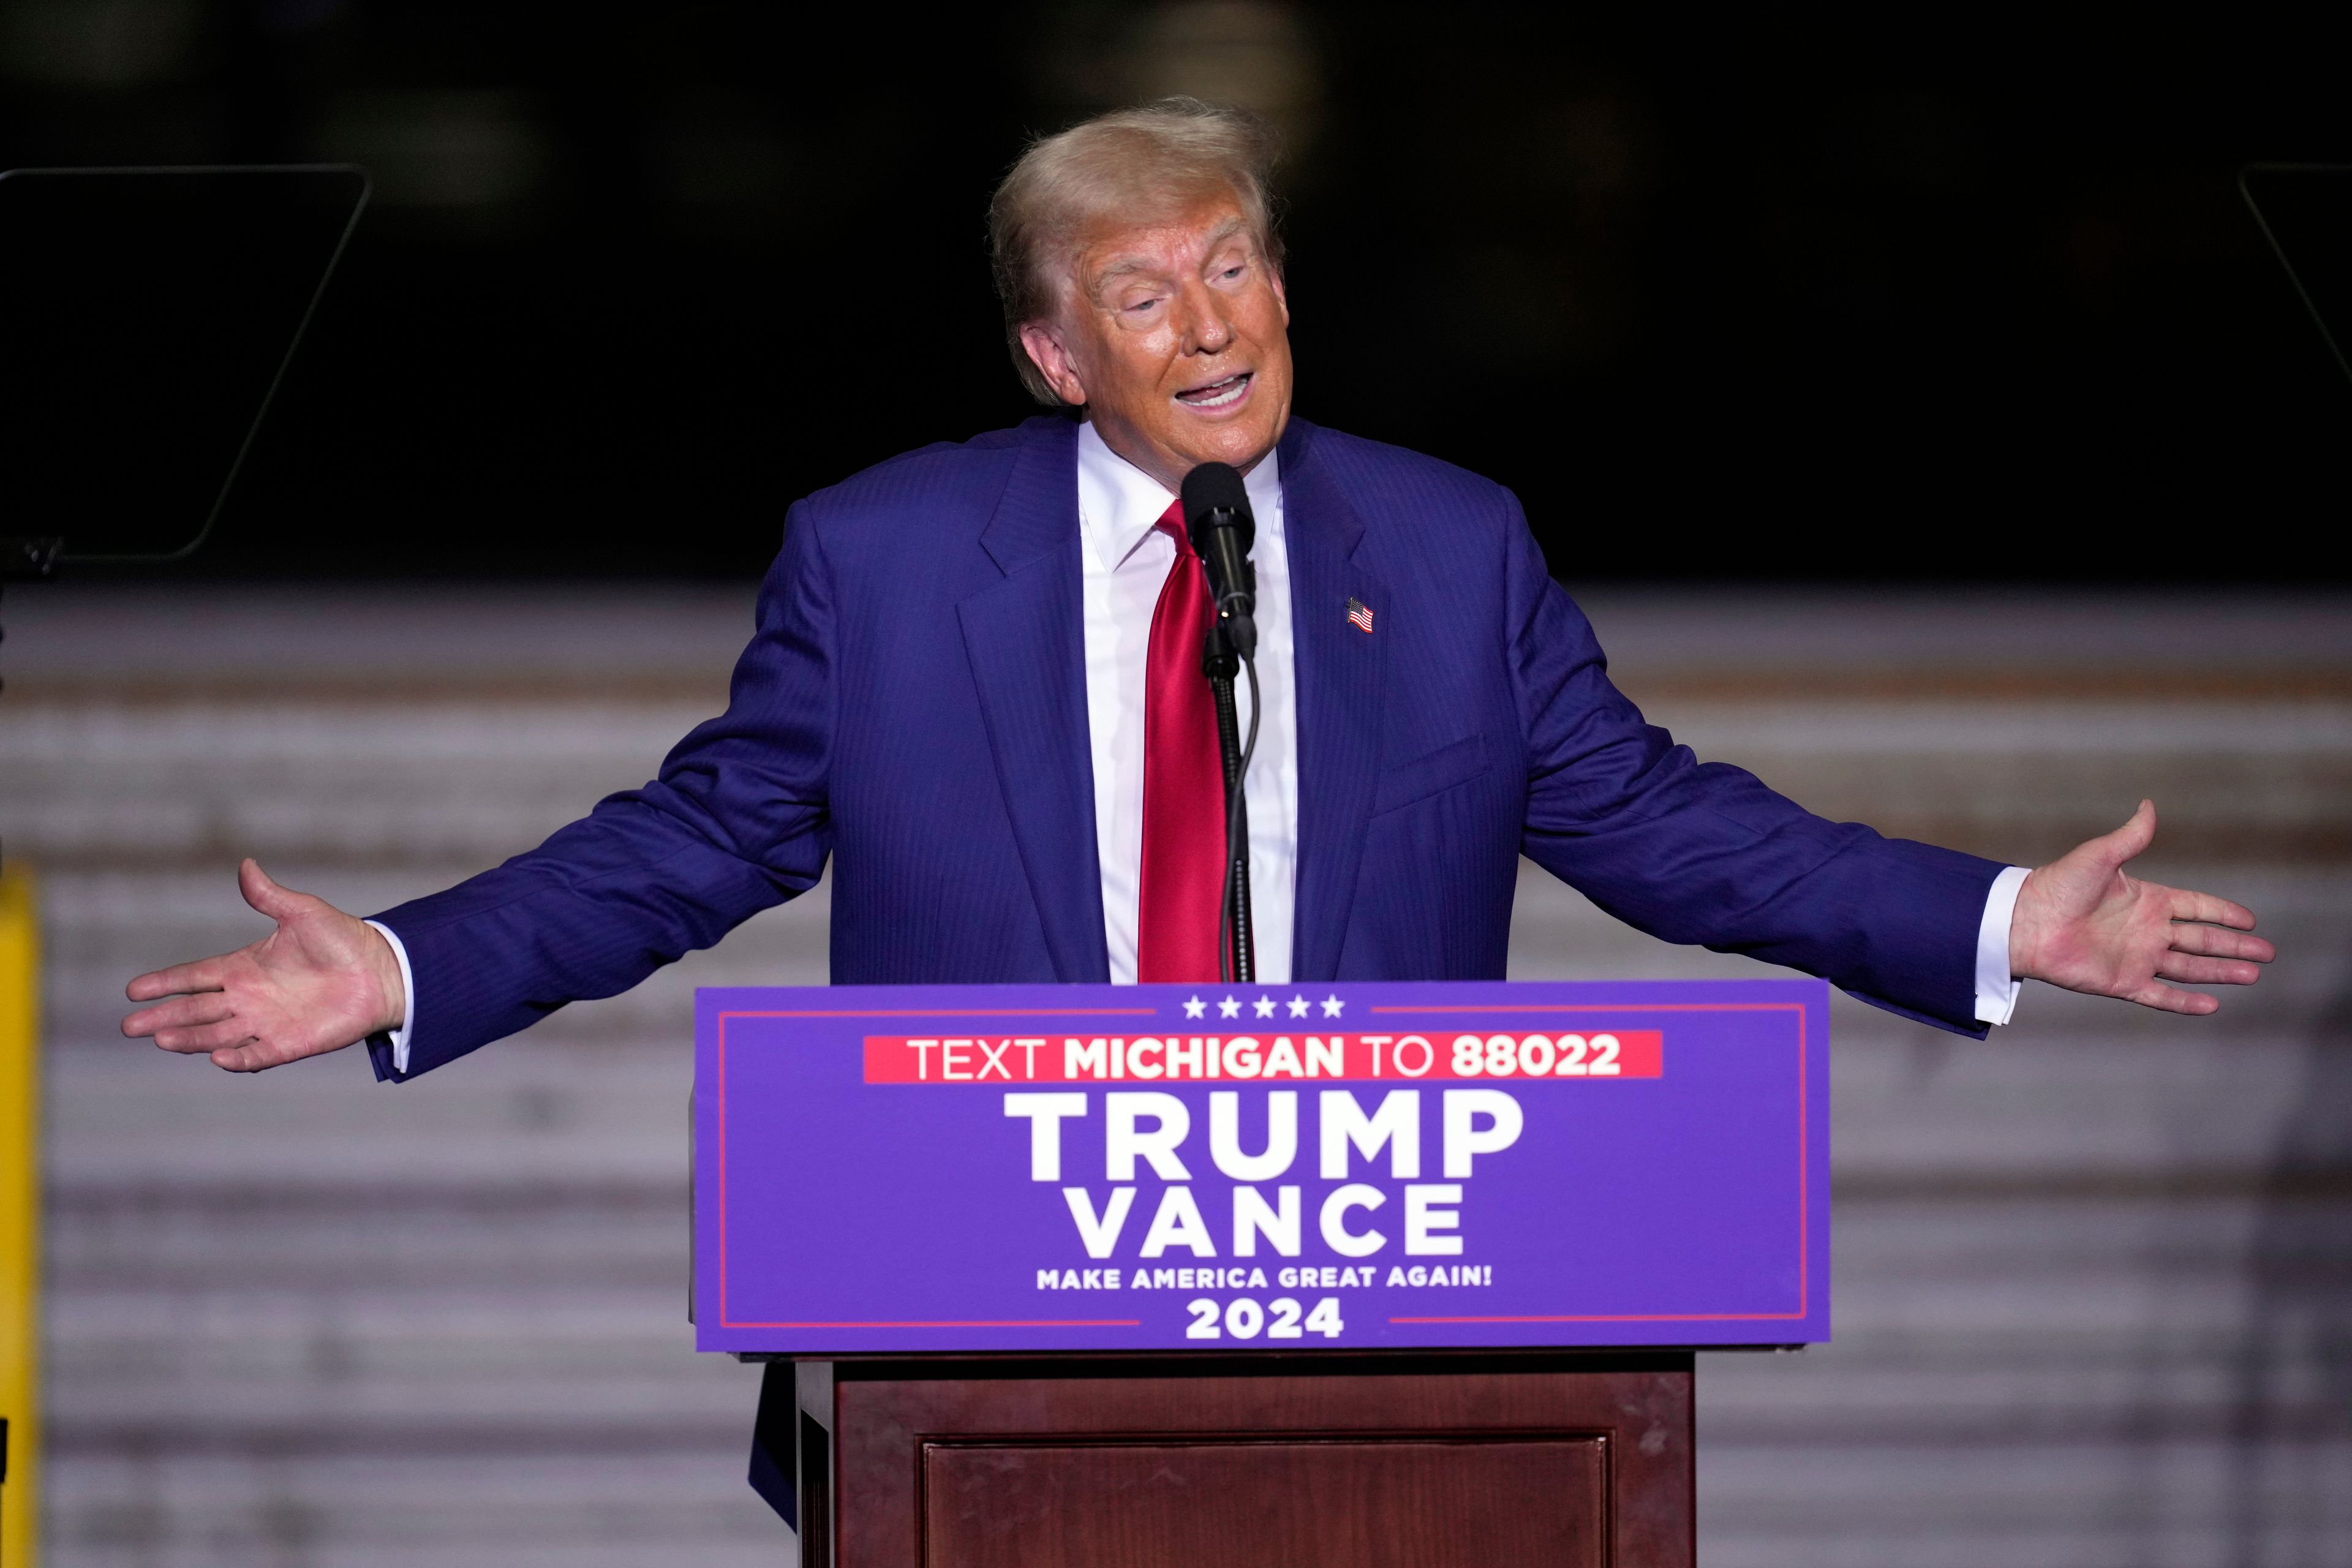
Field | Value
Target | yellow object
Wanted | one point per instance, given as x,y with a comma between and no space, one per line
20,1216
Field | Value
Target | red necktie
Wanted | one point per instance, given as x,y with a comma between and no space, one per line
1180,923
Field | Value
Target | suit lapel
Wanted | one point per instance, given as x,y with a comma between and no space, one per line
1025,636
1340,674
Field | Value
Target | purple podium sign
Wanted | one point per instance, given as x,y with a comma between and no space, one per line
901,1169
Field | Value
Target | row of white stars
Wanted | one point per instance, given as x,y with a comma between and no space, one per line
1230,1007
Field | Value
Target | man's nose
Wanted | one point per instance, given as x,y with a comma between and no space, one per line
1206,330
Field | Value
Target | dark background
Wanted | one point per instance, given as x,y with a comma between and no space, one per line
1972,298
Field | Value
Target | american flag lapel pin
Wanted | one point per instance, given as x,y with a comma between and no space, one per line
1360,616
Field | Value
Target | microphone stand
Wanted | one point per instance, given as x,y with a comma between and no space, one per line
1219,663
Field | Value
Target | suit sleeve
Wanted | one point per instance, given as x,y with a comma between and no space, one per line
736,823
1703,853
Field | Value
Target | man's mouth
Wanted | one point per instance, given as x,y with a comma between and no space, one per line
1218,394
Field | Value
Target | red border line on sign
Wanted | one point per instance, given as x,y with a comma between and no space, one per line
959,1013
1619,1318
1804,1255
727,1322
975,1324
1606,1007
1804,1225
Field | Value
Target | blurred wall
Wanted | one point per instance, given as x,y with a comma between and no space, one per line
2094,1276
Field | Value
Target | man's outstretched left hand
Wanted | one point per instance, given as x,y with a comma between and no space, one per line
2081,922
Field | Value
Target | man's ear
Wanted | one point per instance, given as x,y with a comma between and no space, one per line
1281,295
1044,347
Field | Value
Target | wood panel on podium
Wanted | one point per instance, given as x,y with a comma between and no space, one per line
1394,1462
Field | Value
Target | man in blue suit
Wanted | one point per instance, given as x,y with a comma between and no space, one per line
959,692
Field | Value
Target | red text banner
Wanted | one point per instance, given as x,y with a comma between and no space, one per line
950,1059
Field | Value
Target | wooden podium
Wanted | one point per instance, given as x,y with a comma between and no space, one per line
1370,1275
1467,1460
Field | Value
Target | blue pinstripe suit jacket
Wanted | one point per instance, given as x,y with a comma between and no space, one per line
913,704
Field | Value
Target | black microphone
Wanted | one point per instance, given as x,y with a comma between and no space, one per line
1217,517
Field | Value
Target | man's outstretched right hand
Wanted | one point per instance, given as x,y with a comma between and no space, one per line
321,980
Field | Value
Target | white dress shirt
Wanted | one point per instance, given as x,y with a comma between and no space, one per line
1123,561
1997,989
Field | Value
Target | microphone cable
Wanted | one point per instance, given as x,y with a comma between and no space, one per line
1238,942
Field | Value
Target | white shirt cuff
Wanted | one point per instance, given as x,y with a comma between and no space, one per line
1997,989
408,992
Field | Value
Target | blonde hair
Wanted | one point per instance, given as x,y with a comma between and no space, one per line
1138,163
